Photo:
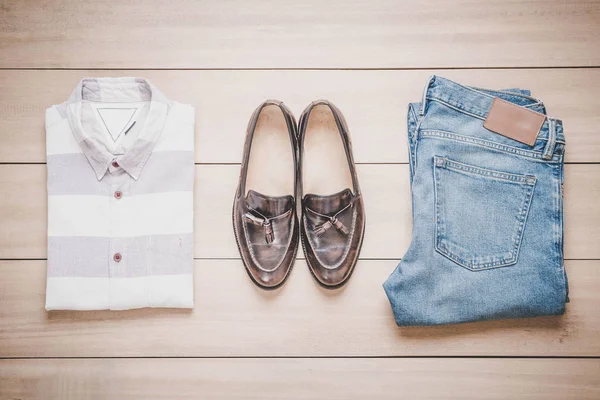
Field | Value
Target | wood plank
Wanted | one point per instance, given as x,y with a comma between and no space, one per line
301,379
373,102
310,34
23,211
232,317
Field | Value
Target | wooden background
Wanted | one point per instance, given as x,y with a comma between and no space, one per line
300,342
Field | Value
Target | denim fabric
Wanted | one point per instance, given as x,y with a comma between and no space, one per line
487,240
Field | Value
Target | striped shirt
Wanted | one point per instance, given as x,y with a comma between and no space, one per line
120,159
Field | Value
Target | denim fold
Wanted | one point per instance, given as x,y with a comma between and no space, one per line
487,238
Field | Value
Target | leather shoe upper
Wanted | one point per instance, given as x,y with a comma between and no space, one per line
332,226
266,227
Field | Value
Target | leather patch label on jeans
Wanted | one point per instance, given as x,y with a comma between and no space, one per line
514,122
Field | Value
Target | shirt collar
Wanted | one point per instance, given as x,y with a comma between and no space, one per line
118,90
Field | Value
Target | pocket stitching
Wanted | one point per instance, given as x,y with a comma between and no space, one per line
527,182
445,162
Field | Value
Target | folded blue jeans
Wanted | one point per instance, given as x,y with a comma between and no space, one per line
487,239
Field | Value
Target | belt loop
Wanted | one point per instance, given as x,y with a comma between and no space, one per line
549,149
424,99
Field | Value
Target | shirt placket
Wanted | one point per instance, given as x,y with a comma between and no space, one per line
118,258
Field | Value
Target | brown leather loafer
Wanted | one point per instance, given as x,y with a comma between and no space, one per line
332,226
264,209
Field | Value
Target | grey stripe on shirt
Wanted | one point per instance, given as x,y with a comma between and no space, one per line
86,256
165,171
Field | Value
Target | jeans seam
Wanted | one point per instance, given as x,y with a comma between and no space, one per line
480,90
456,107
412,140
523,96
488,173
513,151
561,231
524,215
461,110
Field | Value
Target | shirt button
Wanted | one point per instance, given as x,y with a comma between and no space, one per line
117,257
118,194
115,164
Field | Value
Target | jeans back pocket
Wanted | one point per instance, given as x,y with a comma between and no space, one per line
480,214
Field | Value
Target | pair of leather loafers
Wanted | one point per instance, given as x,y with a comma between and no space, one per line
283,160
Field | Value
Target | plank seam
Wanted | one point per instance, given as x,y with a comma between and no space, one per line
238,164
298,258
296,357
447,68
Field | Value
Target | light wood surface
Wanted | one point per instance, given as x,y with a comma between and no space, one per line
385,187
374,104
355,379
370,58
233,318
307,34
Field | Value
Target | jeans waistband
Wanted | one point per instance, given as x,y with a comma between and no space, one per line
477,103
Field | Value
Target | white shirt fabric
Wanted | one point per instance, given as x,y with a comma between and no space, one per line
120,159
